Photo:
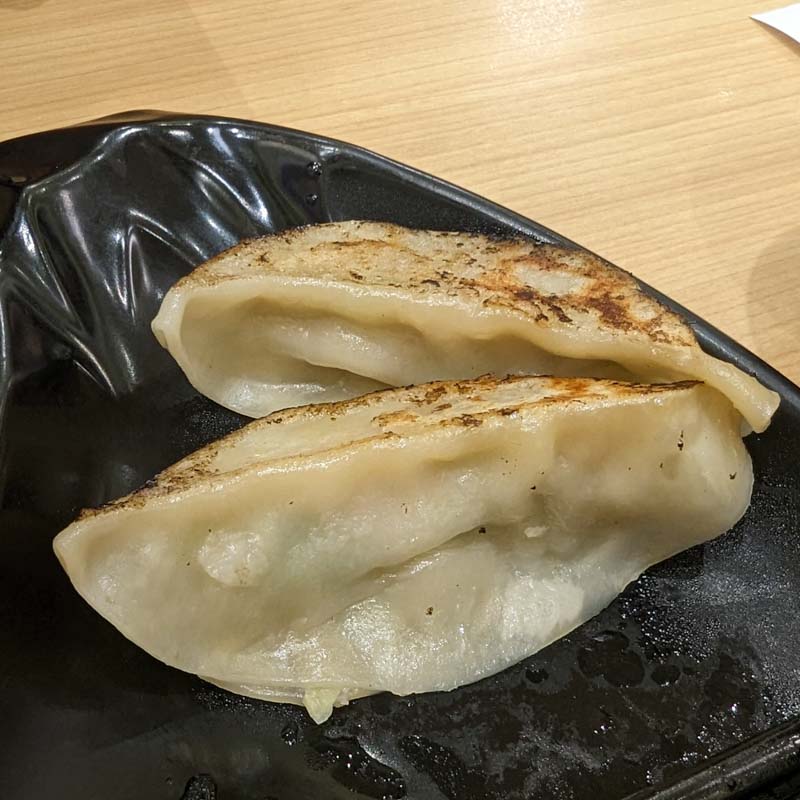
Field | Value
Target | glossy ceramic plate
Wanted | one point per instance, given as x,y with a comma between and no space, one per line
697,657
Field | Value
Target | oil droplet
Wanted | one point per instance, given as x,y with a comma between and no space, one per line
607,656
535,675
290,734
311,199
200,787
603,727
352,767
314,169
665,674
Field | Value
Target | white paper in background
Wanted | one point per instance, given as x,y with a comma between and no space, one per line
786,20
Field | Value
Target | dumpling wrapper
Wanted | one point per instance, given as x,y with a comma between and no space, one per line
409,540
332,311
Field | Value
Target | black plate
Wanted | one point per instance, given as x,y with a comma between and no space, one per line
696,657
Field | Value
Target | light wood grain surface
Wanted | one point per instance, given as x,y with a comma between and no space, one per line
662,134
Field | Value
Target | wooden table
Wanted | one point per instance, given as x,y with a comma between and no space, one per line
664,137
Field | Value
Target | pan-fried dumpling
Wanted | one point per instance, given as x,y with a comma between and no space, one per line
333,311
409,540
